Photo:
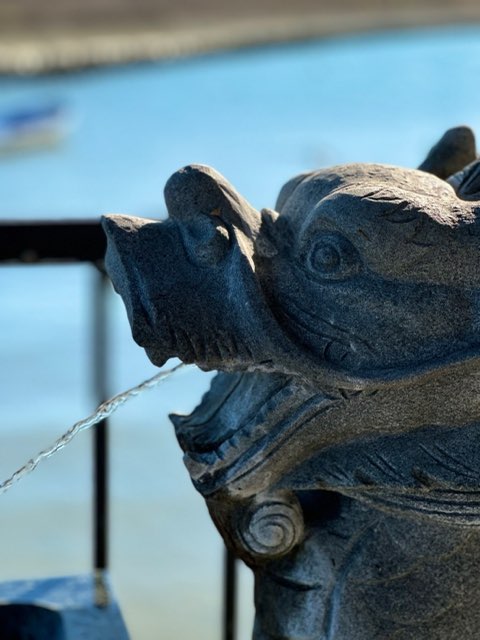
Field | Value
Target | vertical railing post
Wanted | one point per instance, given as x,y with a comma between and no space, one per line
100,434
229,596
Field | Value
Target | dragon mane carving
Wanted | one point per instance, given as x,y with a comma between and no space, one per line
338,448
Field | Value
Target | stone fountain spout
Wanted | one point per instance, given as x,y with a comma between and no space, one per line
338,447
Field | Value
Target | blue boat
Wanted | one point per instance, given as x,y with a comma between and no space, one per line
32,127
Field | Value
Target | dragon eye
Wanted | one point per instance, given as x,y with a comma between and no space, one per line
325,257
332,257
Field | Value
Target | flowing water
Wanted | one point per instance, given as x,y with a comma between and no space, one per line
105,410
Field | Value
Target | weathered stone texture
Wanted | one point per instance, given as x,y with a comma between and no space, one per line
338,447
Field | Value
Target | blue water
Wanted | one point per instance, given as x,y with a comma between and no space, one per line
259,117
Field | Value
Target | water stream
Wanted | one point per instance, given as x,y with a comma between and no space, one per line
105,410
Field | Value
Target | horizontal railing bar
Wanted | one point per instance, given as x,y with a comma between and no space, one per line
52,241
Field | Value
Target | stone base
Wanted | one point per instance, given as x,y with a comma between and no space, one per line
65,608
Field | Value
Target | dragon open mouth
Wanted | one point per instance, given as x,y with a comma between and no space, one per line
242,415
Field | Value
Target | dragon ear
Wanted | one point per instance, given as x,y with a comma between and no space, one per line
265,243
455,149
467,182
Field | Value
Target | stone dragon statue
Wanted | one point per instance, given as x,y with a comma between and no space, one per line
338,448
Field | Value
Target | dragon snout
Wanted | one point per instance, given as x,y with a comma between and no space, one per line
189,290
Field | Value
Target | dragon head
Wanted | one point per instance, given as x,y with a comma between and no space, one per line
359,289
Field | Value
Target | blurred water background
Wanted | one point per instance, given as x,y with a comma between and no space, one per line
259,117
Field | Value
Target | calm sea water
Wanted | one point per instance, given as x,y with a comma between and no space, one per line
258,117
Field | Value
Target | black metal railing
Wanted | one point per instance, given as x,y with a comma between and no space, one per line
63,242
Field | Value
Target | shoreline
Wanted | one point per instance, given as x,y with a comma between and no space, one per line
30,52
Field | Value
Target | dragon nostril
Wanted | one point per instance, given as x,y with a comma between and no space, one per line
206,239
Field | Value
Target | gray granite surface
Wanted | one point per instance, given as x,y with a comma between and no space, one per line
338,446
63,608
